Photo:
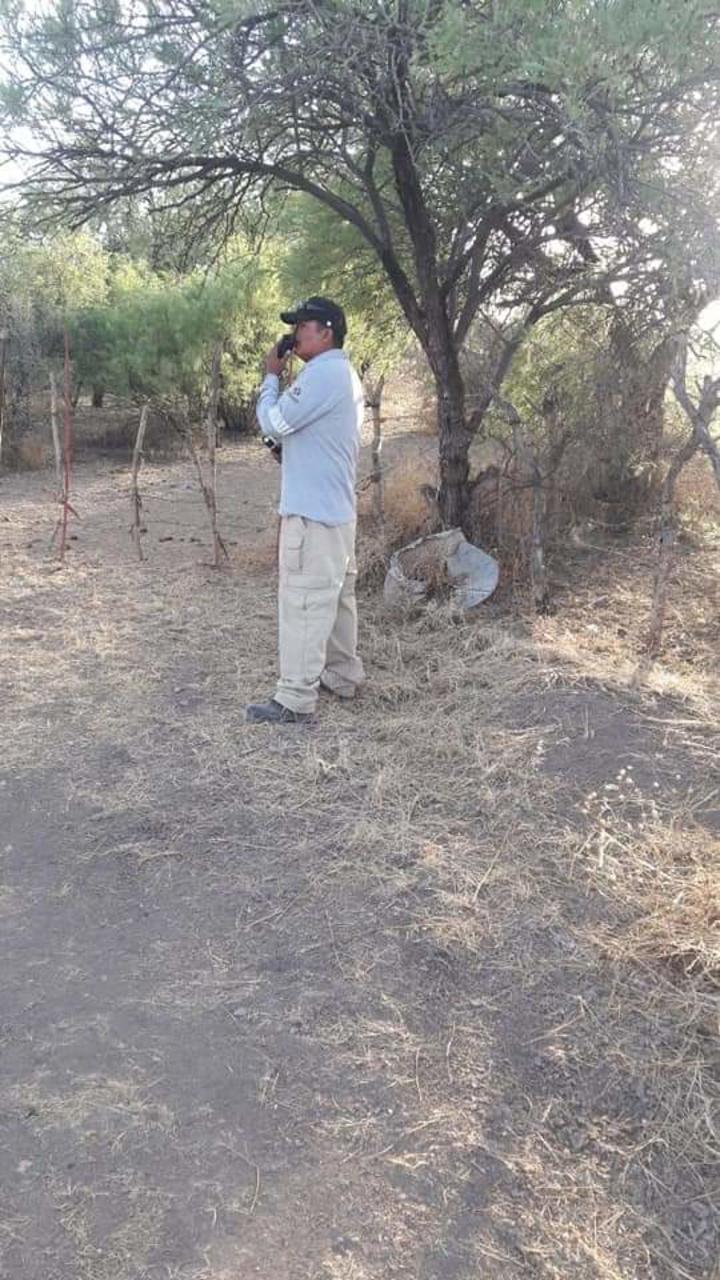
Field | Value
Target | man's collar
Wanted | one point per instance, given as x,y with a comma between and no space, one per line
333,353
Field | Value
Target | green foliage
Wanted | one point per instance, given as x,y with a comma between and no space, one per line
256,319
467,163
324,255
134,332
44,281
564,43
557,370
503,154
154,339
41,283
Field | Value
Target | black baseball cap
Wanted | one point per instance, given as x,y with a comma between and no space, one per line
322,310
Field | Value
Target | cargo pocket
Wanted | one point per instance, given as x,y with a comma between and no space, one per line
292,544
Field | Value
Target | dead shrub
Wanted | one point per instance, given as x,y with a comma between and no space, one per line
410,512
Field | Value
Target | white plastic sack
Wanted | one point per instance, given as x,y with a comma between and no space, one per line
413,568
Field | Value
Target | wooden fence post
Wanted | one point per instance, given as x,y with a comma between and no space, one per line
135,498
219,547
67,508
57,451
208,484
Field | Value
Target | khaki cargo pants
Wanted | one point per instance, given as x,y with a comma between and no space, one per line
317,612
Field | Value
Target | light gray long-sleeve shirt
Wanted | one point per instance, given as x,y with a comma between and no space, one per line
318,422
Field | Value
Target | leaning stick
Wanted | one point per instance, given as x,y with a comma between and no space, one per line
67,509
208,498
212,418
135,498
67,448
55,434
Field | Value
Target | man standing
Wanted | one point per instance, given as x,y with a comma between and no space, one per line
316,424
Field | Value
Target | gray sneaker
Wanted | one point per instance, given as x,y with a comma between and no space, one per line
273,712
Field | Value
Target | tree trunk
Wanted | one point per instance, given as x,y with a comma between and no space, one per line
458,428
454,446
432,323
97,395
538,560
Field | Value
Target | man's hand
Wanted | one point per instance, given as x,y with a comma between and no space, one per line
273,362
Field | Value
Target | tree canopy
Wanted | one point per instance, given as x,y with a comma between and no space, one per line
519,157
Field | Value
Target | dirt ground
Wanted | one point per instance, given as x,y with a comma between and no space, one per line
429,990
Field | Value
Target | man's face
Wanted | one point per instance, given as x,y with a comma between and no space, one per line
312,338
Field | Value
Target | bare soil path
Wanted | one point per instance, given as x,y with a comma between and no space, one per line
427,991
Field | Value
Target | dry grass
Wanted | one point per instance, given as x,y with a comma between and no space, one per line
441,801
112,1106
408,512
669,881
406,508
257,557
513,1009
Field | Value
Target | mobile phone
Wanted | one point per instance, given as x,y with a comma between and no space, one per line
286,345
